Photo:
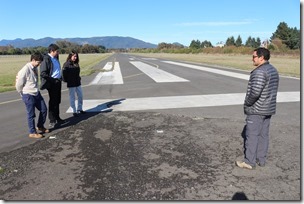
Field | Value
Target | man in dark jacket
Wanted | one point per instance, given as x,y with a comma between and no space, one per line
50,74
259,106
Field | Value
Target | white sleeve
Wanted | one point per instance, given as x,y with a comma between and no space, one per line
20,80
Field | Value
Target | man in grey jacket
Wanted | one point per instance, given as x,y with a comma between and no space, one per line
259,106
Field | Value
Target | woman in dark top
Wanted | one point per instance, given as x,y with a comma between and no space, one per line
71,75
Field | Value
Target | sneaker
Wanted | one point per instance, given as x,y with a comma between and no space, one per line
43,129
75,114
52,124
260,164
35,135
82,112
242,164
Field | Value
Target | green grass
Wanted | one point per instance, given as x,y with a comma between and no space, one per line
10,65
287,65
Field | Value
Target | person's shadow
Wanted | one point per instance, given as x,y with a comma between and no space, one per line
239,196
101,108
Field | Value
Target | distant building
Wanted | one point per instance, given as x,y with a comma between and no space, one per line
220,44
265,43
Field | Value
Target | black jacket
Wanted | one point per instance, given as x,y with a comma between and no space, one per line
46,69
71,74
262,91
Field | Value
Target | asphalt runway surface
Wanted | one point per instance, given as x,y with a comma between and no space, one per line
174,154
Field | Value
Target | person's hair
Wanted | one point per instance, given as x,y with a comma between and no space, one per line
53,47
37,56
262,51
73,52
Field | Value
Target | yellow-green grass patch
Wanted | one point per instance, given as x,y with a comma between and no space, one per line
11,64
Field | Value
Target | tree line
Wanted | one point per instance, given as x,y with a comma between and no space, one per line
65,47
284,38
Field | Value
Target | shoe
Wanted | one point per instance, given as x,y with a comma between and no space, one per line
35,135
43,129
60,120
75,114
82,112
52,124
260,164
242,164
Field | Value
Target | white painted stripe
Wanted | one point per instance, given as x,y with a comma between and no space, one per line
170,102
149,58
108,66
109,77
157,75
216,71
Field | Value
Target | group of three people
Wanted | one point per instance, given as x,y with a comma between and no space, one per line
51,76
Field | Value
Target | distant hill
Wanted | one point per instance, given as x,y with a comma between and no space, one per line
110,42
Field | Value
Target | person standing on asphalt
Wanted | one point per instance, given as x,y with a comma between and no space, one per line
27,87
50,74
71,75
259,106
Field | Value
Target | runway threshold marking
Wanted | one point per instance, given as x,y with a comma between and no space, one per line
171,102
111,75
157,75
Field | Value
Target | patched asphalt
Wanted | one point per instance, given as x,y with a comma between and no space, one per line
131,156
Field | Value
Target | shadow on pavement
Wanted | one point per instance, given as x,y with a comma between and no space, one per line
239,196
101,108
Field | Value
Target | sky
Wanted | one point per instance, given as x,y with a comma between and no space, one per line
153,21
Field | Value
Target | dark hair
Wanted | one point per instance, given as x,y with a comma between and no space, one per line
53,47
37,56
70,56
262,51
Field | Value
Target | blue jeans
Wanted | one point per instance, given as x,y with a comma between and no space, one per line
78,91
31,102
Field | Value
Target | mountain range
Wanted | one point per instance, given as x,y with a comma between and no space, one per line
110,42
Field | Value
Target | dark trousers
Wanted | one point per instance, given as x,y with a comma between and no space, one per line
257,139
54,100
31,102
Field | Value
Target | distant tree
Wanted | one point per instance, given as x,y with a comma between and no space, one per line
238,41
248,42
205,44
252,42
258,42
67,47
289,36
195,44
230,41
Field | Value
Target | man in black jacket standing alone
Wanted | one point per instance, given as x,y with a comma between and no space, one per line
50,74
259,106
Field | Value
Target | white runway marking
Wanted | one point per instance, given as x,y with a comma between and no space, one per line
109,77
149,58
171,102
157,75
216,71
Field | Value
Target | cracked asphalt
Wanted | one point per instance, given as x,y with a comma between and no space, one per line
150,156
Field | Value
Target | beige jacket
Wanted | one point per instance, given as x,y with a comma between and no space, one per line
27,80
